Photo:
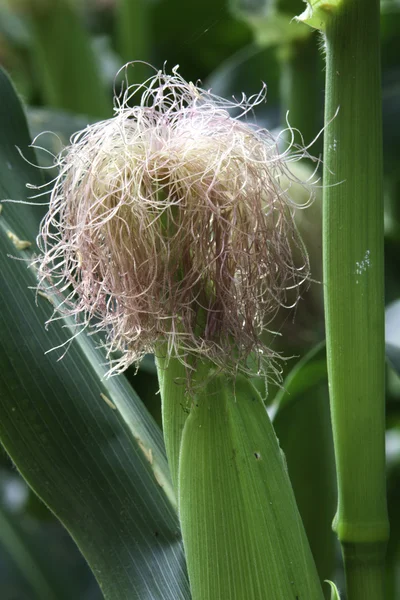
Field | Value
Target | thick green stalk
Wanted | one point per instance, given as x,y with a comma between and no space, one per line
354,295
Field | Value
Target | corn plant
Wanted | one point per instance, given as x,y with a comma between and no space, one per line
170,230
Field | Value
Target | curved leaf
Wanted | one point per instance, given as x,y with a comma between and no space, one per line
334,591
86,445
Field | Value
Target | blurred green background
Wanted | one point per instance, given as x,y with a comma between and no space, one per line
63,56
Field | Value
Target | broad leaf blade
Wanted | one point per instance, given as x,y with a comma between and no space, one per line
86,446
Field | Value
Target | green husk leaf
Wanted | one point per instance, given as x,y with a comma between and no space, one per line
242,532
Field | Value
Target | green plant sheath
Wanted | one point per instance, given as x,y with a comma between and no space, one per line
354,294
243,535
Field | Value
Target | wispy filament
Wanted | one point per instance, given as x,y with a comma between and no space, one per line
167,224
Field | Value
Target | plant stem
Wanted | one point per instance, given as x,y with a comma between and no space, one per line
354,294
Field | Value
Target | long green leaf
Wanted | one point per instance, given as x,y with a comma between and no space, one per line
86,445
